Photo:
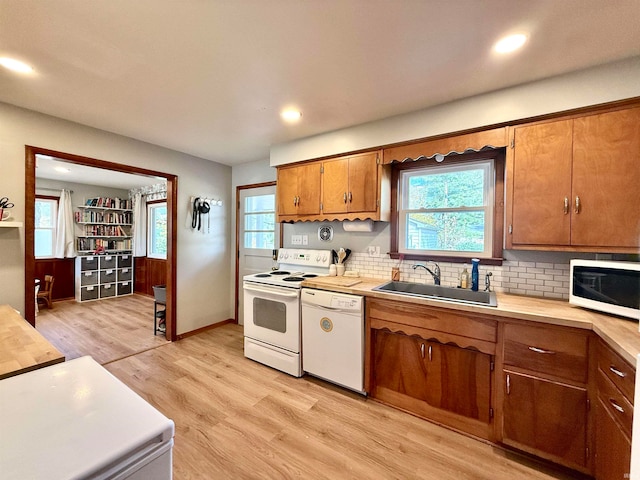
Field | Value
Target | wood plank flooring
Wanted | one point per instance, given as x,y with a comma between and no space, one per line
238,419
107,329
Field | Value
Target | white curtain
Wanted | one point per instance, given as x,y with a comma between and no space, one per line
65,246
139,225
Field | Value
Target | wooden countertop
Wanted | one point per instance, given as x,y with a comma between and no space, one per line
621,334
22,347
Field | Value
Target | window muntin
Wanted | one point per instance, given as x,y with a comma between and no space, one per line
157,230
447,210
46,221
260,221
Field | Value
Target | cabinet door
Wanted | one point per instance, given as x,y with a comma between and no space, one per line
287,190
606,176
613,448
546,418
309,188
363,183
398,365
335,186
459,380
541,182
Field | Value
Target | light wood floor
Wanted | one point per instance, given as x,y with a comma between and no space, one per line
107,329
237,419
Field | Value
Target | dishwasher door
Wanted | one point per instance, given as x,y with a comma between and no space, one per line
333,337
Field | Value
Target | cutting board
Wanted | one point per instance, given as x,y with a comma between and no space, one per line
339,281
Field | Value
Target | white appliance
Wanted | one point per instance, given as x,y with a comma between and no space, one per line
333,337
75,420
272,308
610,287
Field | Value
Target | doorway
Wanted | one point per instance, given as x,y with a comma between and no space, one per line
30,191
257,234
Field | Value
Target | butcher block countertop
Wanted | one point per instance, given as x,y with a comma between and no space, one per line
621,334
22,347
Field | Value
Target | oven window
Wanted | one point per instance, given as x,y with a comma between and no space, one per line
270,314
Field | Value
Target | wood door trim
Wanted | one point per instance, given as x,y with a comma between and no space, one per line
237,255
30,194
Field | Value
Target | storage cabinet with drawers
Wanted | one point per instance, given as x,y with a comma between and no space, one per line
103,276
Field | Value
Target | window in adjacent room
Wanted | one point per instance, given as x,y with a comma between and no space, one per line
157,230
447,209
46,213
260,221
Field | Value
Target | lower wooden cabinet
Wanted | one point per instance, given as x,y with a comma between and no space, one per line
613,447
546,418
444,383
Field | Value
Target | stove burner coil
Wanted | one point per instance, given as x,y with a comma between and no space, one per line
280,272
293,279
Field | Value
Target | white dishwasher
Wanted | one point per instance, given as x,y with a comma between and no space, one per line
333,337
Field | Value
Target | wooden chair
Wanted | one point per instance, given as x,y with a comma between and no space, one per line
45,293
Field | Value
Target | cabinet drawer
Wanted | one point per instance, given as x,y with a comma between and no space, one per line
124,288
108,261
560,352
88,263
108,290
124,274
617,370
88,278
615,403
107,276
89,293
125,261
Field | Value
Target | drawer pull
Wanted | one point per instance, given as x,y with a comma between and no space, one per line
508,384
617,372
540,350
615,405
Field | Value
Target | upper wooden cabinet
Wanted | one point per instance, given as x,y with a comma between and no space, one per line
298,190
350,184
354,187
573,184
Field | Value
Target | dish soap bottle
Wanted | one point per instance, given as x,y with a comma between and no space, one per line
475,274
464,278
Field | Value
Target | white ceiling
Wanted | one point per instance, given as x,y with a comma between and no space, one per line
46,167
209,78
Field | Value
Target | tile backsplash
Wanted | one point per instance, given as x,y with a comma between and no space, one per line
536,279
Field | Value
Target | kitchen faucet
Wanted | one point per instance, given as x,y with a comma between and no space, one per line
487,282
435,275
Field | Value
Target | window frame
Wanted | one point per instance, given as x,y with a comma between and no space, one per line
151,206
498,157
54,228
245,214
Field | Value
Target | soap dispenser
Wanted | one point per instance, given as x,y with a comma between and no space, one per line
475,274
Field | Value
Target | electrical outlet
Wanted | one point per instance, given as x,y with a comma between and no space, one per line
296,239
373,250
305,239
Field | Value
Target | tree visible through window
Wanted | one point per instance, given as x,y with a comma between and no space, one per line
157,230
447,210
46,213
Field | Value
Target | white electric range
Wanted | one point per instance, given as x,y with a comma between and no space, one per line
272,334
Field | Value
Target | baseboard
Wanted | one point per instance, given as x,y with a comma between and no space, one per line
204,329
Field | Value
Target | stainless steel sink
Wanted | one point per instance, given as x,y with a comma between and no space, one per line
440,292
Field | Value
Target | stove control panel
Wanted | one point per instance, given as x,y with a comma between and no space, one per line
311,258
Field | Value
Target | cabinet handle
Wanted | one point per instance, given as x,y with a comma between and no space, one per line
295,201
350,197
540,350
617,372
566,205
508,384
422,349
577,210
344,196
430,351
615,405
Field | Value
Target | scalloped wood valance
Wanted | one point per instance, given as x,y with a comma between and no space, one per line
478,141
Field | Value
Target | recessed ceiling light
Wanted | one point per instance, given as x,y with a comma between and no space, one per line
510,43
15,65
62,169
291,115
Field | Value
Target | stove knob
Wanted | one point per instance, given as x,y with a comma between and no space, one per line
324,258
286,255
317,258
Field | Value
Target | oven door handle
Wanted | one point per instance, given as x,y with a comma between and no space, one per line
277,293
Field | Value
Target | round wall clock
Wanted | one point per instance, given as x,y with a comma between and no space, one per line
325,233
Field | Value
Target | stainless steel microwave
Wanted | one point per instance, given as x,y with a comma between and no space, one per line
610,287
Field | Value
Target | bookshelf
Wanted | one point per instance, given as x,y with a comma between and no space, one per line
104,223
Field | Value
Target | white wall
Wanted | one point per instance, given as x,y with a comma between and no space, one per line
607,83
202,292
